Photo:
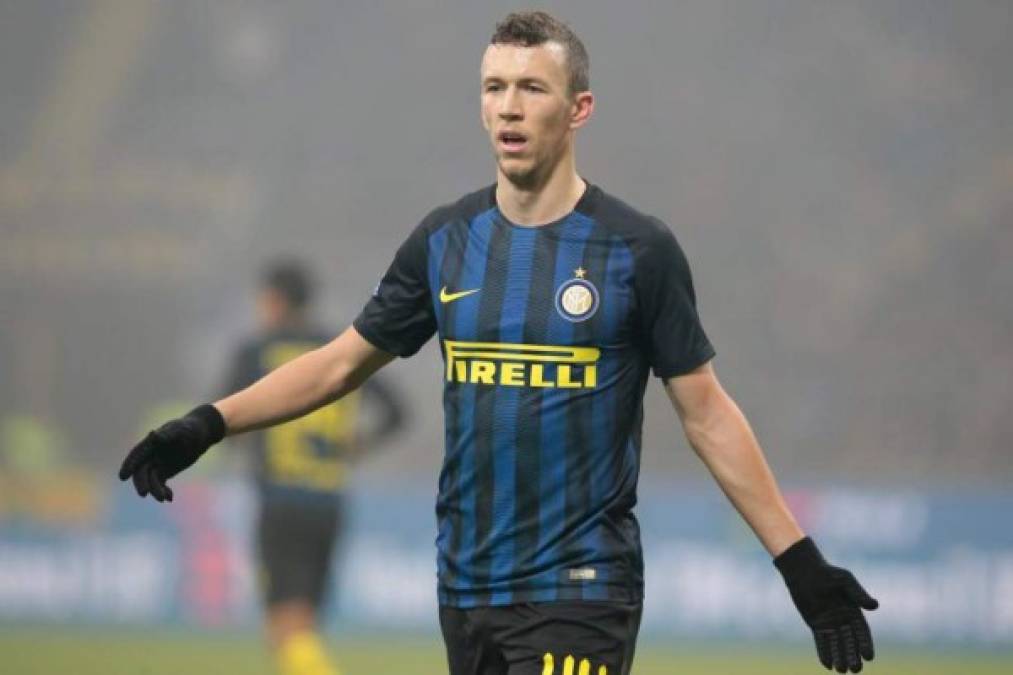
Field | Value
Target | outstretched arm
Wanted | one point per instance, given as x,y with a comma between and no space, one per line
301,385
721,436
304,384
829,598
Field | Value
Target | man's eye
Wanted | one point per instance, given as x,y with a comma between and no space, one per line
534,87
492,87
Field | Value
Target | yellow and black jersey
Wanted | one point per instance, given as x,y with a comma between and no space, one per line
548,335
309,456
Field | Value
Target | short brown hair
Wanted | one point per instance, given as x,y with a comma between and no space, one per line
531,29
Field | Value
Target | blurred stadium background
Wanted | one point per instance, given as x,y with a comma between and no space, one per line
840,173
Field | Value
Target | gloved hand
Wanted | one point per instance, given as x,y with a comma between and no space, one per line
171,448
830,601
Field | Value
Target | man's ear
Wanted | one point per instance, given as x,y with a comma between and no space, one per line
583,106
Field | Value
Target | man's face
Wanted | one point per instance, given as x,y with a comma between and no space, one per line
272,308
527,108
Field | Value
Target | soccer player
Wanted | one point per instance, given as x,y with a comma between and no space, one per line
552,301
301,469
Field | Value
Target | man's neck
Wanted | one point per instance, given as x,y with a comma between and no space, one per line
543,204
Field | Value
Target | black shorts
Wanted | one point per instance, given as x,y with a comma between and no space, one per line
540,638
296,540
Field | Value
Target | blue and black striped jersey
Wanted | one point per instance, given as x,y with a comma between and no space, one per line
548,335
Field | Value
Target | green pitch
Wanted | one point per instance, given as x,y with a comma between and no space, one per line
48,652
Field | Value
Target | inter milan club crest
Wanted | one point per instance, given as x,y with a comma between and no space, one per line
577,299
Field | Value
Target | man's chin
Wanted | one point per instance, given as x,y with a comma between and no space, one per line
521,174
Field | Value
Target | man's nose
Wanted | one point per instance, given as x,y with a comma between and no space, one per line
510,105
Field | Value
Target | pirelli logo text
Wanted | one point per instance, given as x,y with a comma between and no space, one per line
520,365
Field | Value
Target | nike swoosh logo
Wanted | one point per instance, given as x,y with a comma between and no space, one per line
450,297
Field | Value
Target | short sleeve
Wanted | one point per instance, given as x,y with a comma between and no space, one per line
673,336
399,318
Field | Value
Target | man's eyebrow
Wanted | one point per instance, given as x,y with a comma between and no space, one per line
526,79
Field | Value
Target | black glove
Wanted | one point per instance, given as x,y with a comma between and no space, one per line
830,601
171,448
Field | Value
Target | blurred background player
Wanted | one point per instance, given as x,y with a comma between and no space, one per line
301,469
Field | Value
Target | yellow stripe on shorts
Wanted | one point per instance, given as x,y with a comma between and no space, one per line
549,666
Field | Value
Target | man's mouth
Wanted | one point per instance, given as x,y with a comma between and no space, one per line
512,141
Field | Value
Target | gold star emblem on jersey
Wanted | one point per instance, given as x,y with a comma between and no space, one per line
577,299
446,297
